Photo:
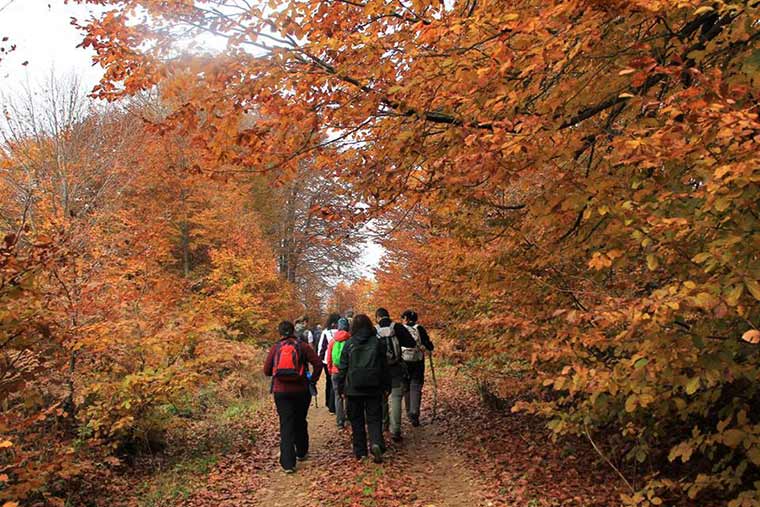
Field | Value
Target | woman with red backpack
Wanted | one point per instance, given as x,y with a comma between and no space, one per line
287,364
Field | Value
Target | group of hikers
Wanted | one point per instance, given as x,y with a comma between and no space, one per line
370,369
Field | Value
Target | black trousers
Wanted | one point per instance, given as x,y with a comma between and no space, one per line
365,410
329,392
292,408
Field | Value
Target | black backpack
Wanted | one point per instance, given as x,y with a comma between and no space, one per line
365,364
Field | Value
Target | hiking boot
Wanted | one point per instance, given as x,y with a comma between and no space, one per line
415,420
377,453
289,470
303,458
396,437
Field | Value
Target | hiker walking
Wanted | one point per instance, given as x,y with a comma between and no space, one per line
328,334
414,358
364,378
287,364
303,332
395,335
334,351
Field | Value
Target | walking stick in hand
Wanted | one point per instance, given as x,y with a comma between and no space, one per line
435,386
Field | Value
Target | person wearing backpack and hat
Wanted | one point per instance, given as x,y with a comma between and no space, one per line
364,379
334,350
395,336
414,359
287,364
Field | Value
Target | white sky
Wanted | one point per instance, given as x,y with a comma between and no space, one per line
42,32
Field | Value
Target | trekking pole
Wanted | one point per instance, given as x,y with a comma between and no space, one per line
435,386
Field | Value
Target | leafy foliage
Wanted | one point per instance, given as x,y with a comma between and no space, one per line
122,287
586,174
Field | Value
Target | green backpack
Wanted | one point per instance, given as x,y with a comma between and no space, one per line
336,352
365,364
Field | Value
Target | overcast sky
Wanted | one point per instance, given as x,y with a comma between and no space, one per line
43,35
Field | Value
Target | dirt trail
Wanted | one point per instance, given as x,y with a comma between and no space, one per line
295,490
445,478
472,456
436,474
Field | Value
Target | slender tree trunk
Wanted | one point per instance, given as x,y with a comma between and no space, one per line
184,231
185,245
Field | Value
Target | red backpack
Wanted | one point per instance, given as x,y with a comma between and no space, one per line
288,366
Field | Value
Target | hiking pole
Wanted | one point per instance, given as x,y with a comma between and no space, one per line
435,386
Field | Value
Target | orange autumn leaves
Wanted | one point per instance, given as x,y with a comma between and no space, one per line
586,174
124,274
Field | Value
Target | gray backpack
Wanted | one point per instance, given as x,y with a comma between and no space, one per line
413,354
393,349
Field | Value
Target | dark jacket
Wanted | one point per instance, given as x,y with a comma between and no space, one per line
307,354
344,379
425,338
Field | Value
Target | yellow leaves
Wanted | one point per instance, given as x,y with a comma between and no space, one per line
652,262
6,444
11,504
692,386
630,403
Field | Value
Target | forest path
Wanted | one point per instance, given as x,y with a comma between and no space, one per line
423,470
295,490
470,456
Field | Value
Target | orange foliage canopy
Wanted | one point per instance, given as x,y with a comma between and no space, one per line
587,172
